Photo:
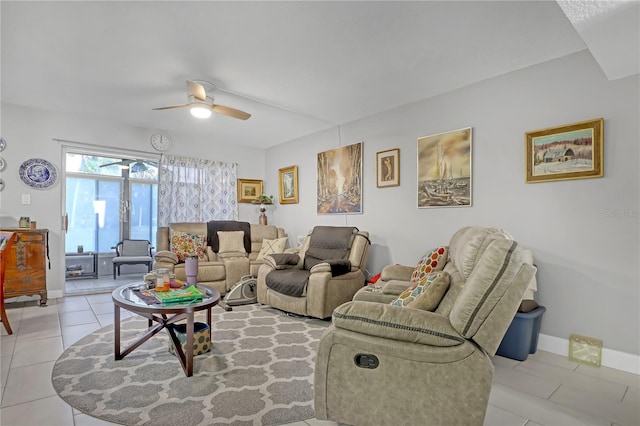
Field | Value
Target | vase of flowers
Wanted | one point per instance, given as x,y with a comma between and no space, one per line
263,200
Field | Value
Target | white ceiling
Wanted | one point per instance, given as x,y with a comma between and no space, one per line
297,67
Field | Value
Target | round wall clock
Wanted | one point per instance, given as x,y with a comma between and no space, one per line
38,173
160,141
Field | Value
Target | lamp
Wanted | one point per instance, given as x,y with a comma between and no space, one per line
200,110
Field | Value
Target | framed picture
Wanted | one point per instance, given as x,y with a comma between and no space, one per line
339,189
573,151
288,185
444,169
388,168
249,190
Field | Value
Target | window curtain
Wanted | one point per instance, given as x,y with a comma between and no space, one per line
195,190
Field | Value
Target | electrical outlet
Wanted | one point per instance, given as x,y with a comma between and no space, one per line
26,199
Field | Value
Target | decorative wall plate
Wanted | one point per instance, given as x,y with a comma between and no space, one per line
3,143
1,184
2,163
38,173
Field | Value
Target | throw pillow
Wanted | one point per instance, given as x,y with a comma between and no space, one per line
440,279
430,298
231,241
433,261
184,244
272,247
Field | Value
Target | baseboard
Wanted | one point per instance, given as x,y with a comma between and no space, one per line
610,358
54,294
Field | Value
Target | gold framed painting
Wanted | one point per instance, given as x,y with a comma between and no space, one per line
388,168
288,185
339,189
444,169
572,151
249,190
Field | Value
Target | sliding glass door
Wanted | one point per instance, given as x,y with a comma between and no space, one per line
94,205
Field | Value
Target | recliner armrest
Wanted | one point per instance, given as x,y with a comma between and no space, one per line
337,267
396,272
166,256
282,260
397,323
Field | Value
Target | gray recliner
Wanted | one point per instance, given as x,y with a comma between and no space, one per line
381,364
326,272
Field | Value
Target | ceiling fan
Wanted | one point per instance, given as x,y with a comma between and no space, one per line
201,104
133,165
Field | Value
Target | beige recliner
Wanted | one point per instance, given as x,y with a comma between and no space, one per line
326,272
381,364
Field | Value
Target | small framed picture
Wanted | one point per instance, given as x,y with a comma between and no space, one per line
288,185
572,151
249,190
25,222
388,168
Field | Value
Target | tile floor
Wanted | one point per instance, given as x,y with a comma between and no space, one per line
546,389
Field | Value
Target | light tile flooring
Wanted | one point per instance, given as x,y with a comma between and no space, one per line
546,389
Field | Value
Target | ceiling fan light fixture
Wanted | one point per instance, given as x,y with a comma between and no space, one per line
200,110
138,166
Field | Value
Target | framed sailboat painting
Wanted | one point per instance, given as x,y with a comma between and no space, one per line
444,169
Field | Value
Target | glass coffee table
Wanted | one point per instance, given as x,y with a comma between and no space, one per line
126,297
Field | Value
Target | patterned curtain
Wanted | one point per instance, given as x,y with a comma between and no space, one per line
195,190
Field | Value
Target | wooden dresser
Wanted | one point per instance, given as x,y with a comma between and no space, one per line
26,267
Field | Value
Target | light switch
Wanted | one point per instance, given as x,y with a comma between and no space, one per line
26,199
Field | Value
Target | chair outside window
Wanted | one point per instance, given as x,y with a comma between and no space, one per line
132,252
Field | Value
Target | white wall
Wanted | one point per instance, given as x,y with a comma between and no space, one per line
29,133
584,233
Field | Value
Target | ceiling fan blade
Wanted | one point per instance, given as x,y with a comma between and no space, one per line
120,163
231,112
171,106
197,90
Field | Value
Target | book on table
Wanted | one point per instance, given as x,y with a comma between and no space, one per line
185,295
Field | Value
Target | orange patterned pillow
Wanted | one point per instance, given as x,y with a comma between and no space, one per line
433,261
184,244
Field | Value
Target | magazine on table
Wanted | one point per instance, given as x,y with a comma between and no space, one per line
189,294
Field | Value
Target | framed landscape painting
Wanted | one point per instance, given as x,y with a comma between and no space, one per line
573,151
444,169
339,189
288,185
249,190
388,168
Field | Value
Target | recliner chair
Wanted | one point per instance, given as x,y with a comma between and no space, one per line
326,272
382,364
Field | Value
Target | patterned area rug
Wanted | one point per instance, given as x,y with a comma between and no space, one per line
259,372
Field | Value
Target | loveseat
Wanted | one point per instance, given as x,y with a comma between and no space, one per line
222,262
324,273
418,352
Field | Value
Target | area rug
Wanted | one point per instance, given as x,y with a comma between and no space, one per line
259,372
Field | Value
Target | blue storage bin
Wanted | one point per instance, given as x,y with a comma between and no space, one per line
521,338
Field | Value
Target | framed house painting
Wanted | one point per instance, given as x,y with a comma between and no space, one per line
388,168
288,185
249,190
444,169
339,188
573,151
